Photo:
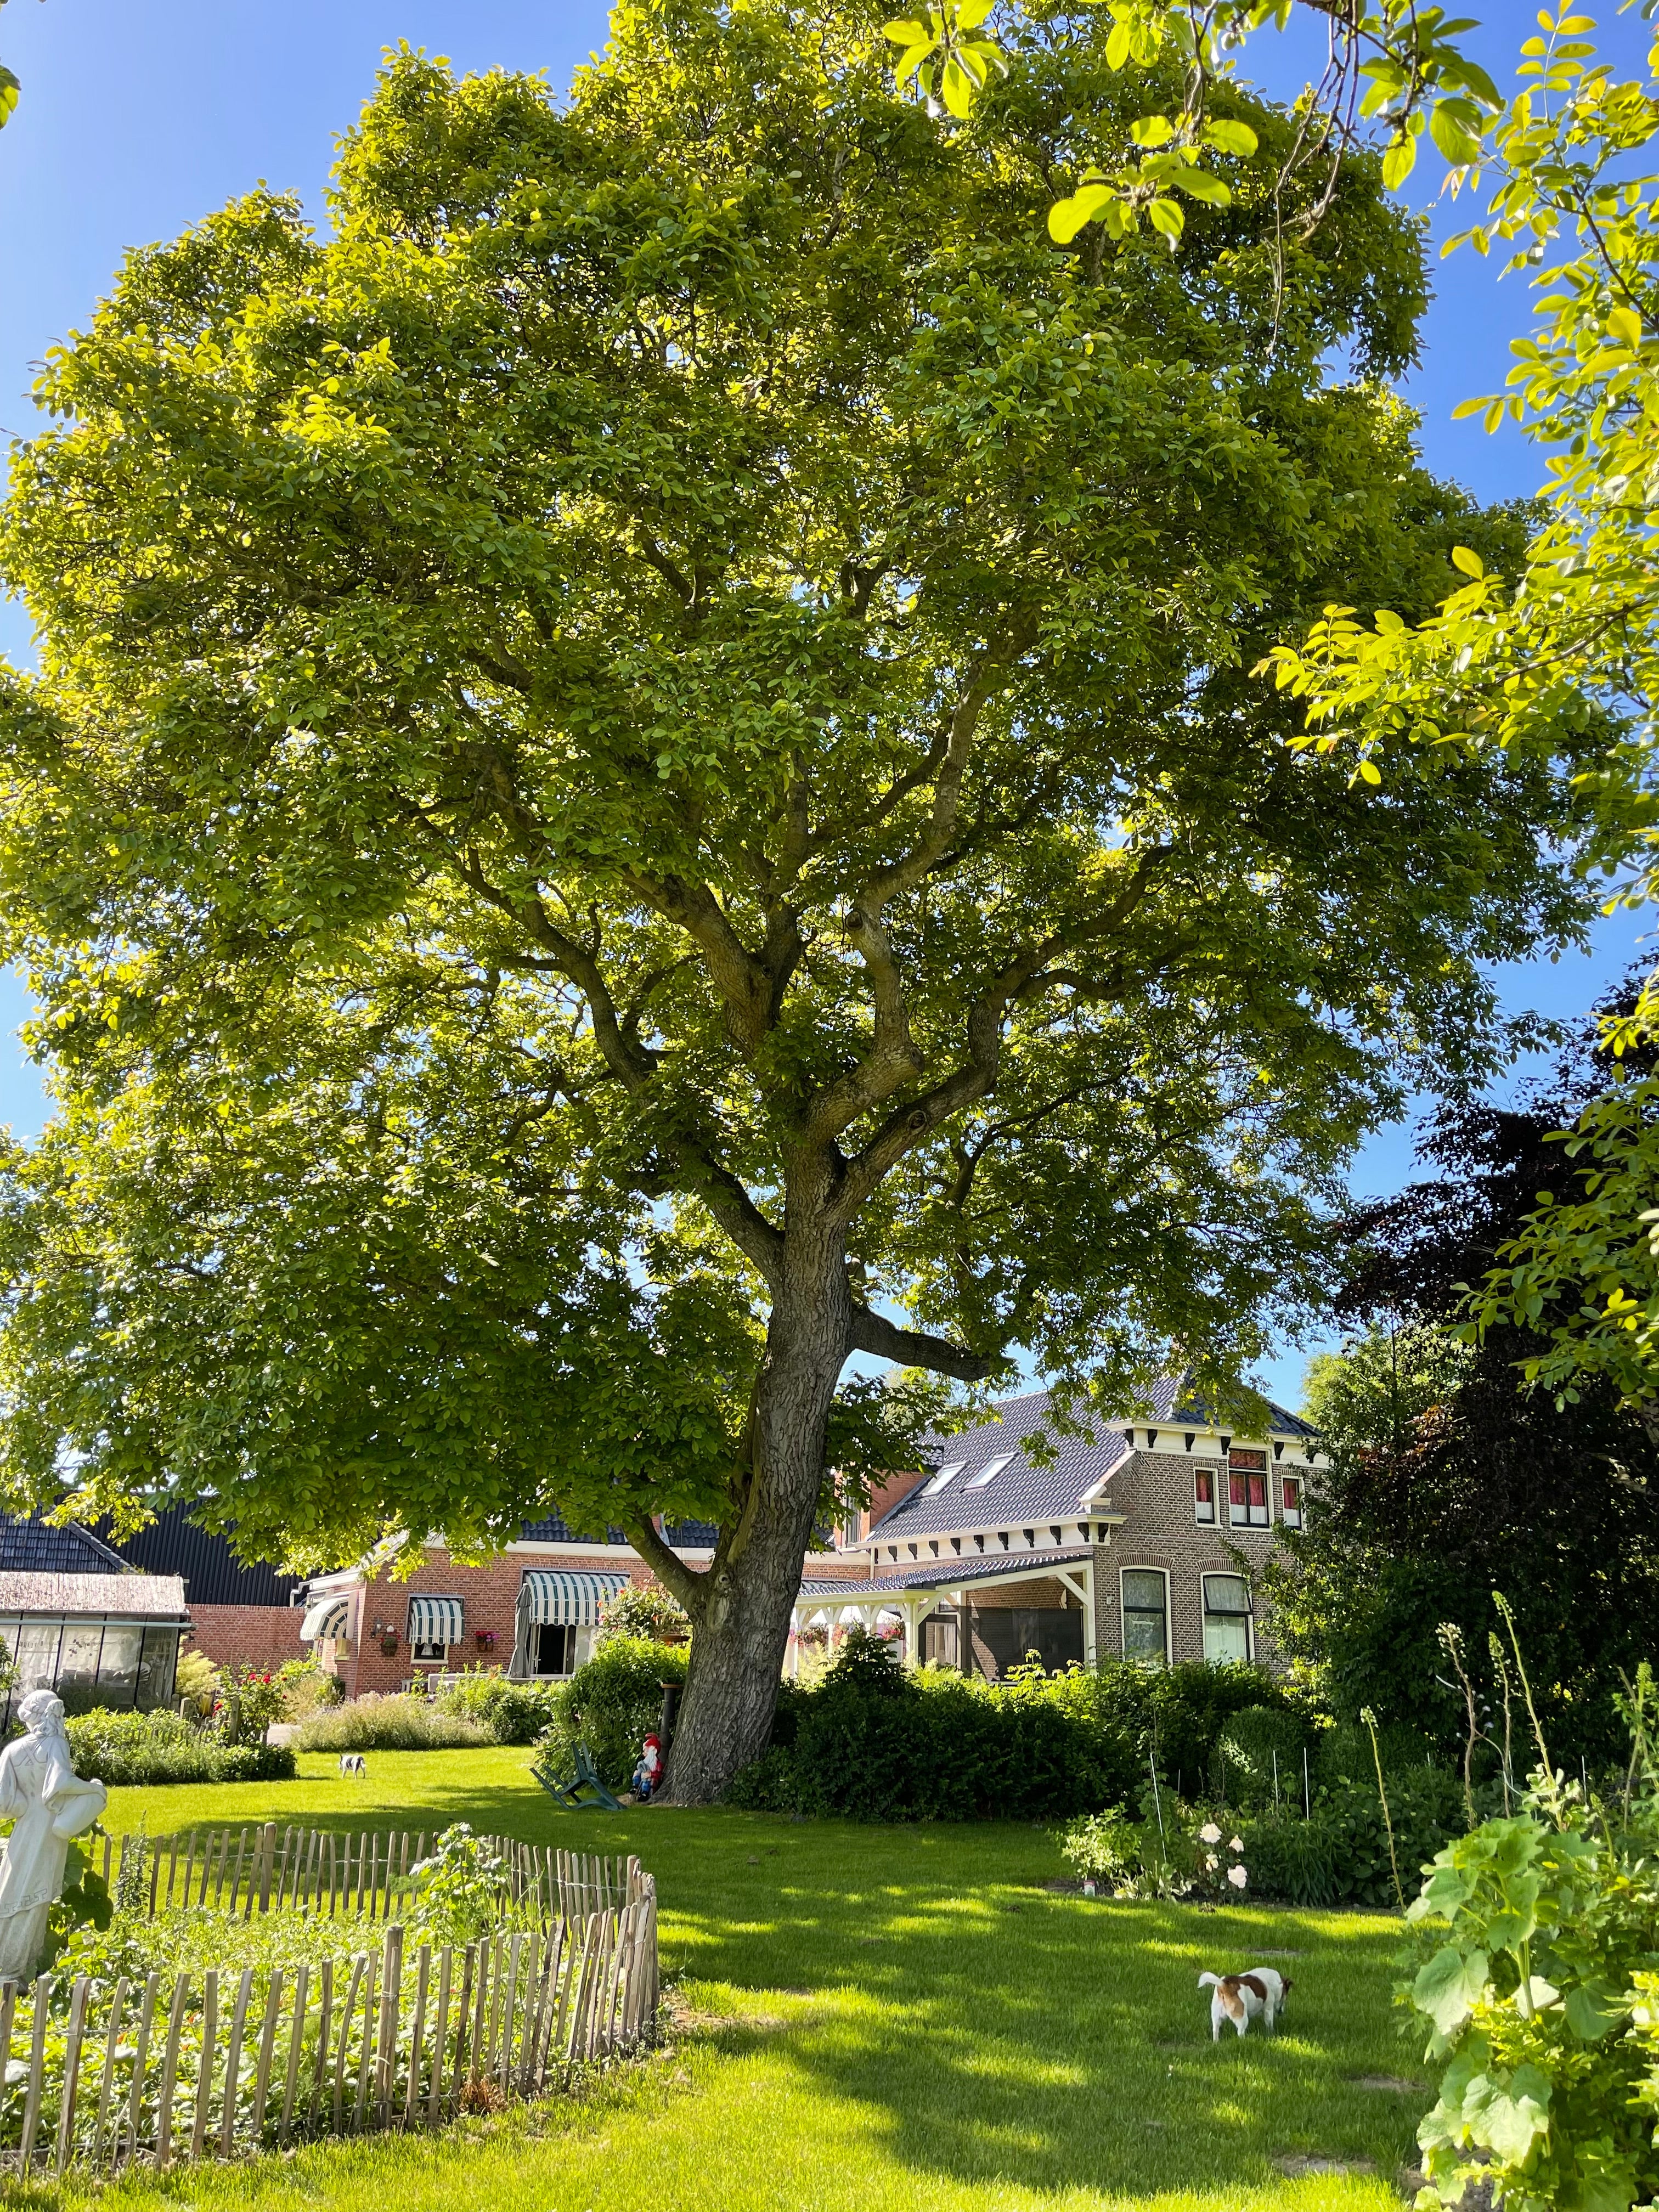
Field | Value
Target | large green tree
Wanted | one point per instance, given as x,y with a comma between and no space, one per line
645,775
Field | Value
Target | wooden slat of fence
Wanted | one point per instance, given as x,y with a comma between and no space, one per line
295,2045
37,2075
319,2074
170,2072
267,2046
77,2022
418,2030
502,2071
369,2039
385,2060
439,2032
106,2080
7,2010
462,2053
233,2057
204,2066
357,1965
140,2054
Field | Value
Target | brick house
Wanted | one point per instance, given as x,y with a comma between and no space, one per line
1143,1540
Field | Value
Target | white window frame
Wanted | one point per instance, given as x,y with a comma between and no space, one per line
1291,1515
1213,1518
1248,1616
989,1471
1236,1519
1124,1610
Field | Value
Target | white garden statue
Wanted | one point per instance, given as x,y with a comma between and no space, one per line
40,1790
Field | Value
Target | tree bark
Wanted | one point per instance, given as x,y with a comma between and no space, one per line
741,1627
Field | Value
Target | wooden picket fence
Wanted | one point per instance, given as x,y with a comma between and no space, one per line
264,1869
103,2078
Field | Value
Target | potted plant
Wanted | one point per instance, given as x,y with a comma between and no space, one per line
389,1641
486,1640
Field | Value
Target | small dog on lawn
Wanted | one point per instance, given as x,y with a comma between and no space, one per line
353,1762
1240,1998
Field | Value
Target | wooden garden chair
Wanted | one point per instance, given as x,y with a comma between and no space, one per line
573,1794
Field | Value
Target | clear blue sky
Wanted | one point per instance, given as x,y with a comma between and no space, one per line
136,120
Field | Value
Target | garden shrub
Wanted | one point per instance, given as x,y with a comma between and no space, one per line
1345,1753
394,1724
610,1704
132,1748
1259,1757
507,1712
1533,1975
875,1741
646,1611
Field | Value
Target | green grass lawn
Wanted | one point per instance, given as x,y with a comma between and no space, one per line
880,2018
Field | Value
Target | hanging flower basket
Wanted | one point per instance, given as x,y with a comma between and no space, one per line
486,1637
389,1644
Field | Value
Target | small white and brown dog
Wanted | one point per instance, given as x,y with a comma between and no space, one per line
1240,1997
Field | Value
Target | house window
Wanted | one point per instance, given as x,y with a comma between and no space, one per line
1203,1493
1226,1617
1290,1499
553,1649
1146,1615
1247,1489
437,1651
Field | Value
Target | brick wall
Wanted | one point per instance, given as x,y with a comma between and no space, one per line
251,1635
1155,1491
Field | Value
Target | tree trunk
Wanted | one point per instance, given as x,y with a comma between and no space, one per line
742,1633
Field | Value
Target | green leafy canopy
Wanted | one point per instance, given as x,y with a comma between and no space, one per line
644,774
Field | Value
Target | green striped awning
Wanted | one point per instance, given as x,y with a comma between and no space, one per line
554,1597
434,1620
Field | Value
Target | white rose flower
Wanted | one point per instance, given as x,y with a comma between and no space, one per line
1210,1863
1209,1834
1236,1844
1237,1876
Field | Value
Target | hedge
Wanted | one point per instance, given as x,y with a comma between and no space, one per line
132,1749
874,1741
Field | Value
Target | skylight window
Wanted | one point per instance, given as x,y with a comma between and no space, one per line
947,1473
991,1466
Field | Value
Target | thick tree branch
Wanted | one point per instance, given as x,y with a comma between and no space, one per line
914,1347
688,1585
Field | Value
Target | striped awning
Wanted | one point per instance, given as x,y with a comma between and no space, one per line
328,1617
434,1620
554,1597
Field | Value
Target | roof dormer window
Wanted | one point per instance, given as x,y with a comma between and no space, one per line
992,1468
945,1475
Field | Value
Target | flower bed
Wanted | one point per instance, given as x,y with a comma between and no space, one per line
262,2008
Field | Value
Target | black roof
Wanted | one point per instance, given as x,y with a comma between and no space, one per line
213,1575
27,1546
554,1528
1022,1491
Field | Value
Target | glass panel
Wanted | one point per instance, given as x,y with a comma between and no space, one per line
1143,1589
1226,1593
1225,1637
117,1669
157,1667
77,1664
1143,1635
37,1655
1203,1495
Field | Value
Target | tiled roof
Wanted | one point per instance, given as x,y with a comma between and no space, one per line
946,1573
27,1546
554,1528
1171,1403
1023,1493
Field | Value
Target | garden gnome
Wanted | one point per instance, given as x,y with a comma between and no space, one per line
40,1790
648,1773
